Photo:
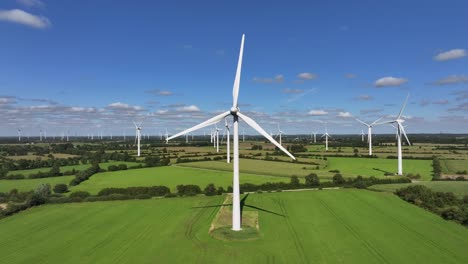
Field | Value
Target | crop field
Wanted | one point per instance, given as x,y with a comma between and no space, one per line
459,188
453,166
347,226
80,167
31,184
347,166
170,176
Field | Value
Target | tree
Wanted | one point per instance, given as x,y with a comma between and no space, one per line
338,179
60,188
55,170
312,180
43,190
294,181
210,190
79,194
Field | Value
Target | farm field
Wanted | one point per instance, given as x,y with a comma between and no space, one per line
31,184
170,176
459,188
453,166
349,167
80,167
347,226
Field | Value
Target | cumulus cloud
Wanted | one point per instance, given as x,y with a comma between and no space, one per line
292,91
6,100
319,112
277,79
344,115
188,109
160,92
118,106
451,55
21,17
452,79
304,76
390,81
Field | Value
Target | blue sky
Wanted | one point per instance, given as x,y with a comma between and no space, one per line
96,65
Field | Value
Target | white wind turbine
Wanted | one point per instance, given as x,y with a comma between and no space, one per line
167,135
400,130
217,137
228,141
236,114
19,134
315,136
138,136
326,135
362,135
369,132
280,134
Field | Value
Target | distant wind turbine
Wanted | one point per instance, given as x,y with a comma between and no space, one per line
369,132
138,136
326,135
236,114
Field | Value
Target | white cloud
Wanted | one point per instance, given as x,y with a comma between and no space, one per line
292,91
118,106
344,114
188,109
160,92
451,55
306,76
25,18
319,112
31,3
453,79
277,79
390,81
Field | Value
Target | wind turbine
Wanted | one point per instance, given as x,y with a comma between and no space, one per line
216,137
280,133
40,135
315,136
400,130
369,132
362,135
138,136
326,135
228,139
236,114
167,136
19,134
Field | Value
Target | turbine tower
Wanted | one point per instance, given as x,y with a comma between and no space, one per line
400,131
236,114
280,133
362,135
228,139
138,136
326,135
369,132
19,134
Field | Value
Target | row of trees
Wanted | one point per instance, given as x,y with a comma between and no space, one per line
445,204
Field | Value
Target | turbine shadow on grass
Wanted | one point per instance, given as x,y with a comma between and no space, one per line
242,204
381,170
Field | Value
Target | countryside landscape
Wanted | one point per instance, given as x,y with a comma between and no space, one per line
123,141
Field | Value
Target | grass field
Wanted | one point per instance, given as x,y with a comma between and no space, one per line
344,226
460,188
170,176
31,184
80,167
453,166
349,167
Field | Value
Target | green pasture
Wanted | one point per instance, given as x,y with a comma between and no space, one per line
460,188
349,167
170,176
79,167
31,184
453,166
334,226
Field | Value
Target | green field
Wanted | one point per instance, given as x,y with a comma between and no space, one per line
453,166
80,167
344,226
169,176
349,167
31,184
460,188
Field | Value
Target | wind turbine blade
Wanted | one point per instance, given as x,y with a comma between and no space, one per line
375,122
403,107
360,121
208,122
135,124
235,89
260,130
404,133
385,122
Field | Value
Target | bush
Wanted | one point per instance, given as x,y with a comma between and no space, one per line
338,179
210,190
295,182
143,196
60,188
188,190
312,180
79,194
